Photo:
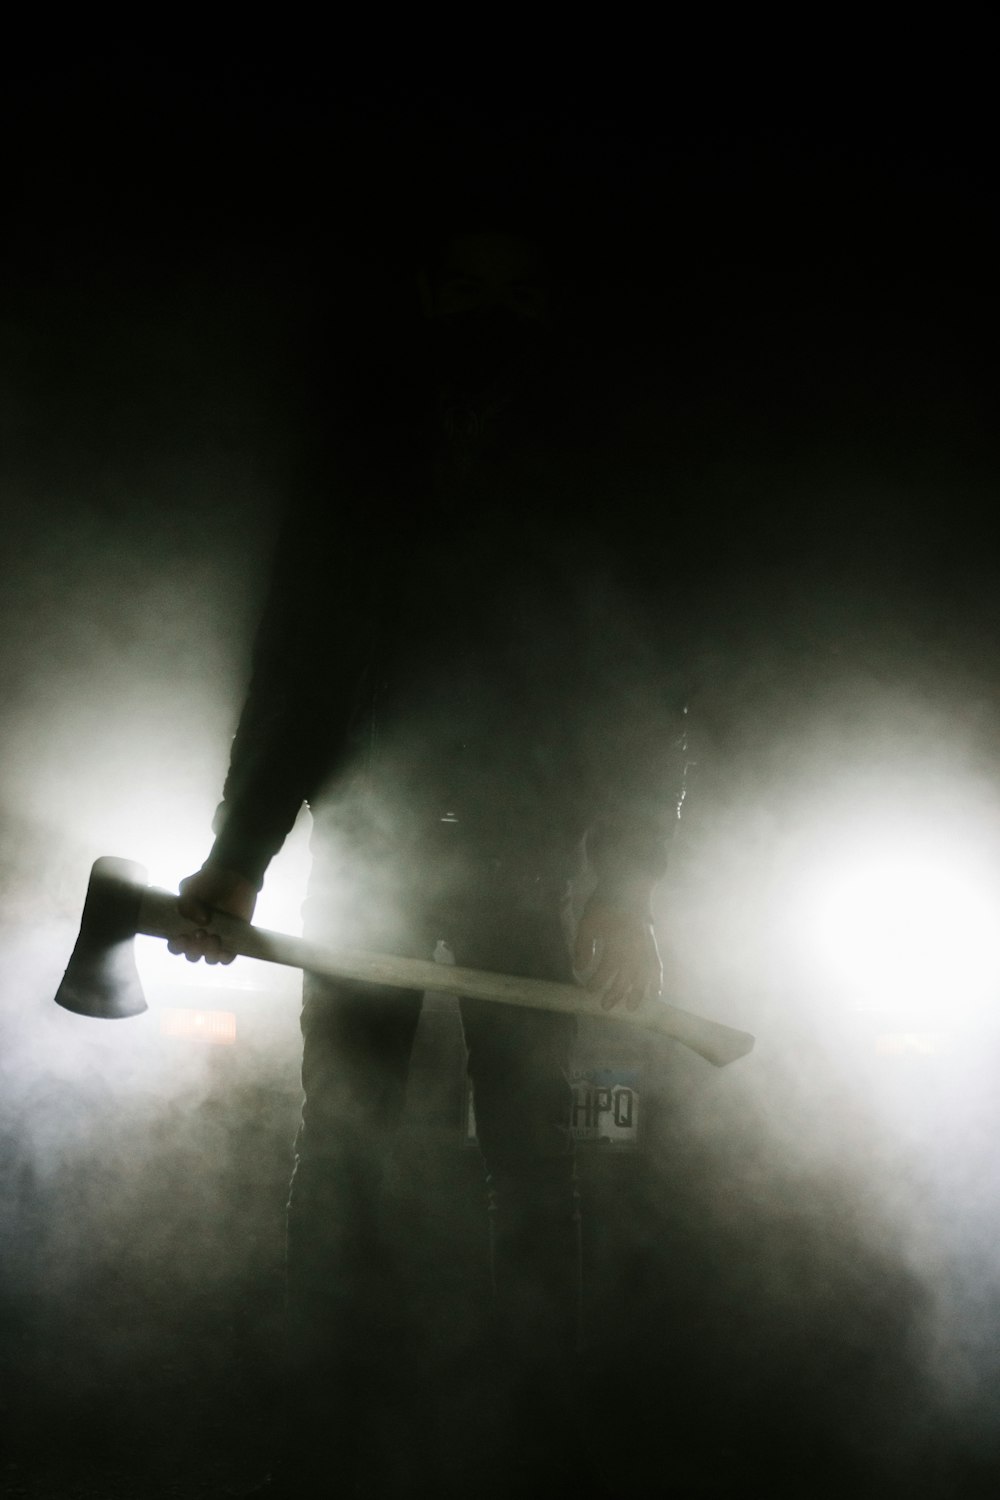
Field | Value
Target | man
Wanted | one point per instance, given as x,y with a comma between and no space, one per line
460,669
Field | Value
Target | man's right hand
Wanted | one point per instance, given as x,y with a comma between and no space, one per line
212,888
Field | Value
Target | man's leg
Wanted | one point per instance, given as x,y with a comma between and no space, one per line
357,1043
519,1062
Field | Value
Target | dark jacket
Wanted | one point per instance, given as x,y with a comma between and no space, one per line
467,620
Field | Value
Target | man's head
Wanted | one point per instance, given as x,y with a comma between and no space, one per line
485,270
488,297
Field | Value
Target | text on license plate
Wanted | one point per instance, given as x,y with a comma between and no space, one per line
605,1108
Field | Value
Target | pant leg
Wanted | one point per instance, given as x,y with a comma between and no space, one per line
519,1062
357,1041
519,1065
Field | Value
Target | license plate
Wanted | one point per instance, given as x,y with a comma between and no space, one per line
605,1110
606,1105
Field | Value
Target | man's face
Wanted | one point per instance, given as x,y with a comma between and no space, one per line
488,303
485,271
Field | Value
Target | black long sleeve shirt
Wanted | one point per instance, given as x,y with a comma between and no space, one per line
466,612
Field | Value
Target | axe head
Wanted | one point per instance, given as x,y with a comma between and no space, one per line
101,977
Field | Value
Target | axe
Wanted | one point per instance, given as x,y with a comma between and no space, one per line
102,980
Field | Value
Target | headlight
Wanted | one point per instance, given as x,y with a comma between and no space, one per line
913,928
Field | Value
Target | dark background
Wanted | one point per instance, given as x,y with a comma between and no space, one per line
793,287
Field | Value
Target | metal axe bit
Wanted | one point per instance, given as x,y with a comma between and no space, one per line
102,980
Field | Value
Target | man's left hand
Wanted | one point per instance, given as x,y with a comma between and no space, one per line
616,956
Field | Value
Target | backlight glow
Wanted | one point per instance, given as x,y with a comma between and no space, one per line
910,931
217,1026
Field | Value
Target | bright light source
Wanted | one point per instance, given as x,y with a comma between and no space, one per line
199,1025
915,930
910,1044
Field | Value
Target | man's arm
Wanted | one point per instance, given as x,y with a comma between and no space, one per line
626,848
310,654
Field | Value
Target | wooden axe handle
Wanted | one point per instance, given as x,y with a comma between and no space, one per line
718,1044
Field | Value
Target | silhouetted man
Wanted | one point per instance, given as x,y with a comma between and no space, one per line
460,670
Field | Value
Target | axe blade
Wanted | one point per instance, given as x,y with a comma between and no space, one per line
101,978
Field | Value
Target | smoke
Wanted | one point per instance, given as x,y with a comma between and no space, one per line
842,1178
805,1243
142,1178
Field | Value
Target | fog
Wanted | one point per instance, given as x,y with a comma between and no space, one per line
137,526
798,1265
